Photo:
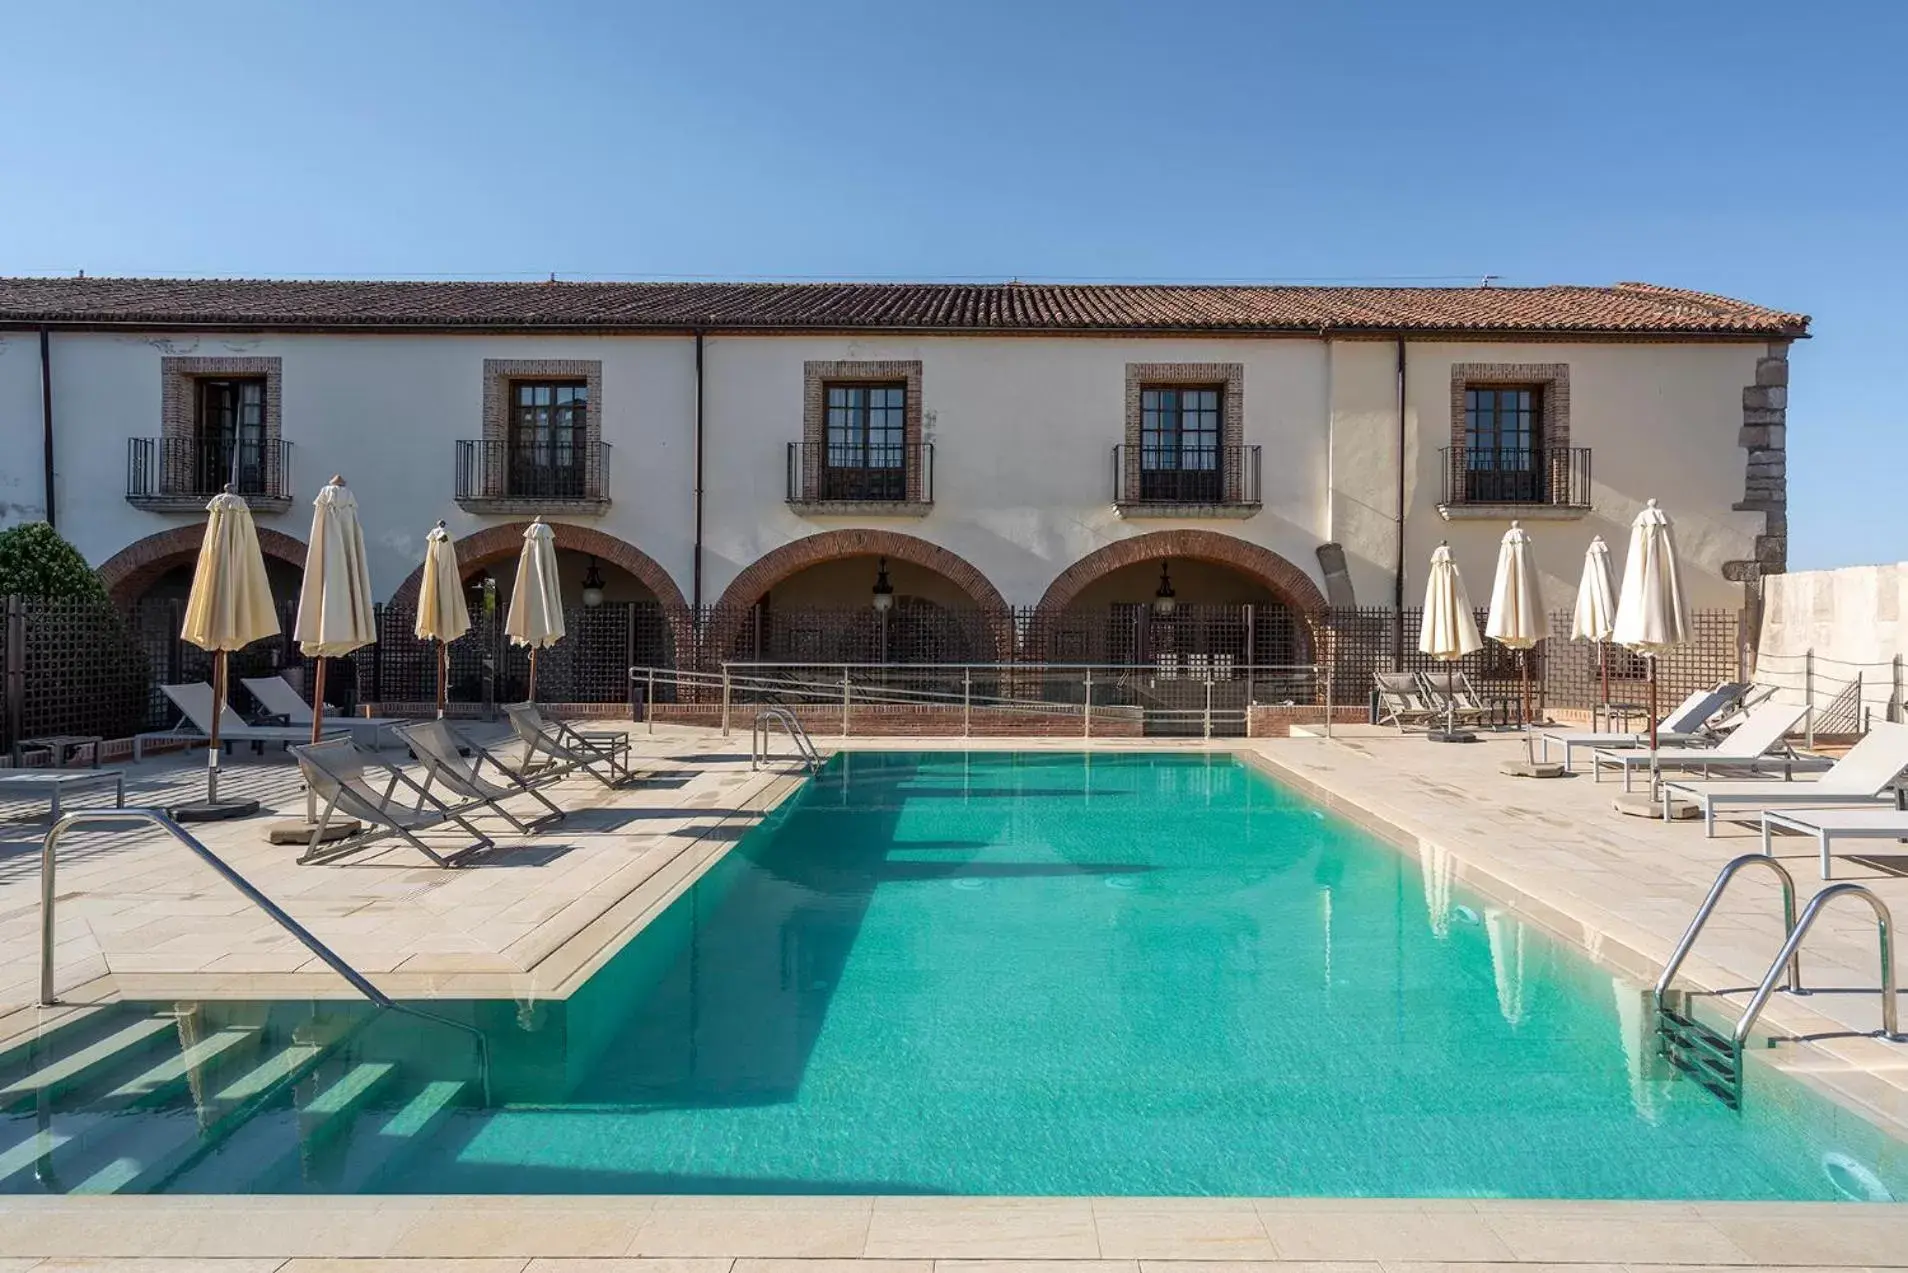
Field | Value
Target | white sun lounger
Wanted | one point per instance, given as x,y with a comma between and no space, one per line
1827,825
1861,777
1756,745
194,702
276,695
1684,724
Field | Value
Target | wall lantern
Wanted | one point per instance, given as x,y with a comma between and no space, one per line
592,586
883,590
1164,600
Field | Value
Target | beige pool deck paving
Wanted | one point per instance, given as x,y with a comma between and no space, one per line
139,918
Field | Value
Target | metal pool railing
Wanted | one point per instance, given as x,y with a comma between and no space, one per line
1191,696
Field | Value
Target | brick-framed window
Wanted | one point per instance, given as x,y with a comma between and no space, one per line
532,411
1183,420
1510,431
861,430
218,414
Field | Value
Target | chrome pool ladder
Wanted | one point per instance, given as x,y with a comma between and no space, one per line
1714,1059
805,749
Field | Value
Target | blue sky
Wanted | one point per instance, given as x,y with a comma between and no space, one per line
1744,147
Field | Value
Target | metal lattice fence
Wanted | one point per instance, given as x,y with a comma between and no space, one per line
73,667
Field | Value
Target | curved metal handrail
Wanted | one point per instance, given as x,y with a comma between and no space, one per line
1728,873
758,737
1884,927
158,818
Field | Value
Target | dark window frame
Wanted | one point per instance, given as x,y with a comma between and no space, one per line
547,457
1182,443
1504,442
864,440
241,426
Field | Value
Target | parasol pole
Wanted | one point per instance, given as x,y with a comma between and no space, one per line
1603,666
218,710
443,678
532,695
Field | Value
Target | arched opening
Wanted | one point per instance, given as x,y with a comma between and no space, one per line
816,601
621,610
1194,618
150,580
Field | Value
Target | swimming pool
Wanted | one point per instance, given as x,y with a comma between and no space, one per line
984,973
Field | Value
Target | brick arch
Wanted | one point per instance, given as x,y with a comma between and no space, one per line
772,567
128,573
493,544
1286,580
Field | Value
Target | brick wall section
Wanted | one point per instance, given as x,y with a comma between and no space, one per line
1229,376
1277,721
1764,435
499,372
816,377
128,573
1286,580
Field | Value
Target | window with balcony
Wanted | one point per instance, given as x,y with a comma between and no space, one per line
1510,453
1503,444
1180,459
548,439
864,446
228,435
219,426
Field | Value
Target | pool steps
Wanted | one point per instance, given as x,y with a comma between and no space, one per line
224,1106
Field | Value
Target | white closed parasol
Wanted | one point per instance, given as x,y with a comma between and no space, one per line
229,607
536,599
1516,620
442,615
1652,614
1594,618
1449,629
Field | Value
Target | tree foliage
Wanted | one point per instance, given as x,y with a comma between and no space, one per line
36,562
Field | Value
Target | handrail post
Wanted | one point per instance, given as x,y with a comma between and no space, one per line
1885,935
727,691
846,693
1808,697
1703,912
1209,704
1329,671
649,703
967,702
1086,712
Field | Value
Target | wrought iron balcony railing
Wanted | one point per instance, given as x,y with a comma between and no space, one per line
1556,477
827,472
498,475
182,473
1179,476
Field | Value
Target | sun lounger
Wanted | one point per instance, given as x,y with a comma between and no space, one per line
1756,745
1684,724
1453,697
442,751
1862,776
195,710
1828,825
336,772
276,695
601,753
1402,701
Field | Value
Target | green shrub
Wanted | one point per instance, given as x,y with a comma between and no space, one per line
36,562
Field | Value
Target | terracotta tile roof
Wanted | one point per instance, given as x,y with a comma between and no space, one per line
1625,308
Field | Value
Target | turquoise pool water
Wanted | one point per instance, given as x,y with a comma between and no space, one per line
1042,974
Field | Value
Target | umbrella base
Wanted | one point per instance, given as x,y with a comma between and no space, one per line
1638,804
1534,768
212,810
1451,736
298,831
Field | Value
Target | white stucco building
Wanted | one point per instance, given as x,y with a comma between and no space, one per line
1016,445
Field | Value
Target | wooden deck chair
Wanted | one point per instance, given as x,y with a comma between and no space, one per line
601,753
442,752
336,772
1402,701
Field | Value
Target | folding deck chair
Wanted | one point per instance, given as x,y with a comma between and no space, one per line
441,750
1455,698
1402,701
601,753
336,772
